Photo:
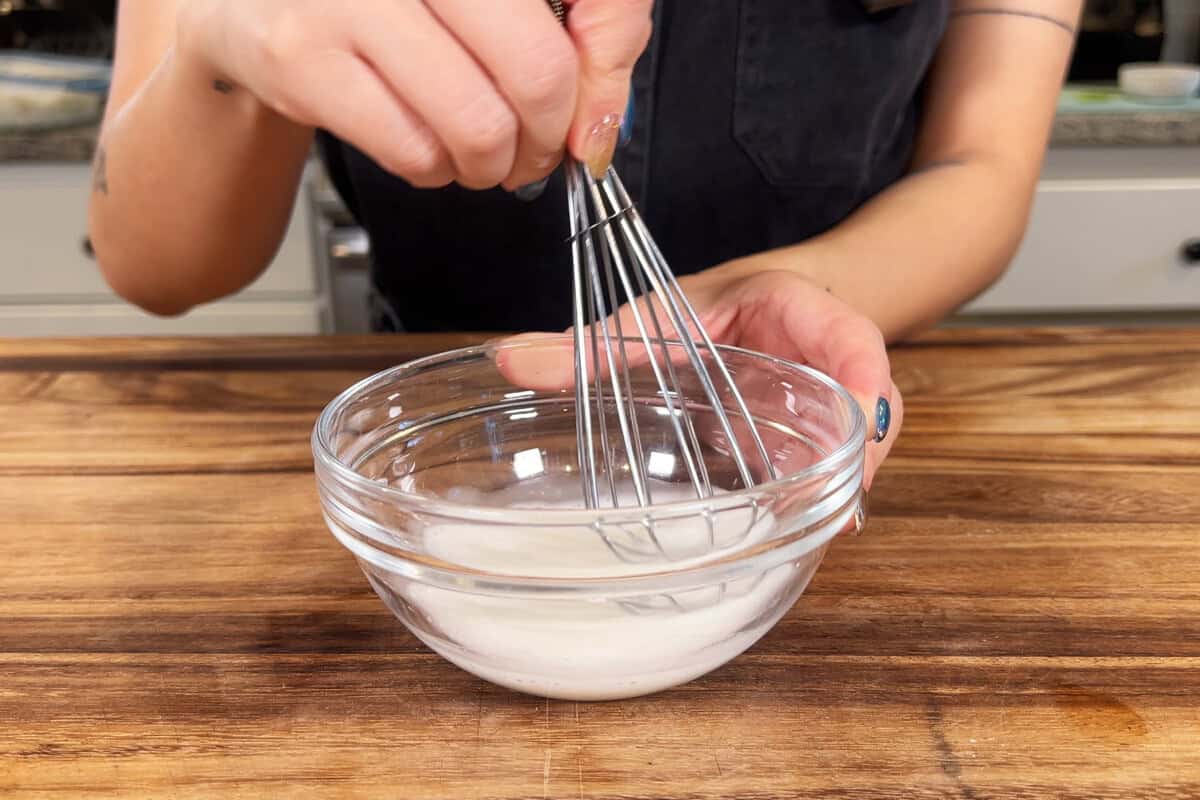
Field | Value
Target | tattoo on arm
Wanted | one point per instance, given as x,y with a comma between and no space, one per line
223,86
100,171
1011,12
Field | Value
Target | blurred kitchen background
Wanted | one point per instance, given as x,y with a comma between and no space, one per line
1115,236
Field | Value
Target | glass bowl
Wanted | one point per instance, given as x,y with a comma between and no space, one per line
454,481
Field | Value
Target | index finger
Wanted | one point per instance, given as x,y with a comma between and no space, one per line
533,63
609,35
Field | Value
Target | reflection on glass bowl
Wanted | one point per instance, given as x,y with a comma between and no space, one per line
458,492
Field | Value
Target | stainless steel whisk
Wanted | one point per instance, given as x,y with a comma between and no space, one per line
608,237
610,248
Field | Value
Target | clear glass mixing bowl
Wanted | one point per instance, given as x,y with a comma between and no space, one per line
454,482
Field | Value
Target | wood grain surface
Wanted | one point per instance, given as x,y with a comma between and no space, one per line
1020,620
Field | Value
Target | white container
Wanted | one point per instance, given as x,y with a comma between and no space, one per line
1156,82
41,92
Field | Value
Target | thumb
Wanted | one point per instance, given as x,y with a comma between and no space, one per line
609,37
853,352
836,339
877,451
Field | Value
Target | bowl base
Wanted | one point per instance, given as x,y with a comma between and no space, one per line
594,689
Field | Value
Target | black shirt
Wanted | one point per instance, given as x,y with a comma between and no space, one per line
758,124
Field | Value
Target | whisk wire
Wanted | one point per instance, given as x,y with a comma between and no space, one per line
607,256
613,255
697,469
675,297
689,450
639,246
579,285
636,473
598,389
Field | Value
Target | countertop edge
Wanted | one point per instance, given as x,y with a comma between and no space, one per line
336,351
1151,128
1141,129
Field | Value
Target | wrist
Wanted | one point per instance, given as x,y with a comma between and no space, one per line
794,259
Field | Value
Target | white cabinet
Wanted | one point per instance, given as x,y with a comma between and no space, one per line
1106,235
1104,246
50,285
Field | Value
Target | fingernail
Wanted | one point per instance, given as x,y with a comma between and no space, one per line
627,124
492,347
532,191
601,144
883,419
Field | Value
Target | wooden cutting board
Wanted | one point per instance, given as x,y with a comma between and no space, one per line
1021,619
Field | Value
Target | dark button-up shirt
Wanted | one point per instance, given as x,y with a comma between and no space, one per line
757,124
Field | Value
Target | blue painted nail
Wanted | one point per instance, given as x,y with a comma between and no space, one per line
627,122
532,191
883,419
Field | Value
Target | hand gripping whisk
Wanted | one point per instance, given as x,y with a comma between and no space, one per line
614,257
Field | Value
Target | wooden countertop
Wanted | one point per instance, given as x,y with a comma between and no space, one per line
1021,619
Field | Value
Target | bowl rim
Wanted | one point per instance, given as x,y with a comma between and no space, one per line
854,443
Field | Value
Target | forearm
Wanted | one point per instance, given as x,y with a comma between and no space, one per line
923,247
193,189
916,251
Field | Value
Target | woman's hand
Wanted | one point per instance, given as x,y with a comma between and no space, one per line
782,314
435,92
773,312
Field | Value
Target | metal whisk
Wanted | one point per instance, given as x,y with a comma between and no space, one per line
614,257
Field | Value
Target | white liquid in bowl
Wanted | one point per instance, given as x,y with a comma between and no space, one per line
599,648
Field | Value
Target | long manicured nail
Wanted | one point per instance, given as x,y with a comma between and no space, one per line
532,191
601,144
883,419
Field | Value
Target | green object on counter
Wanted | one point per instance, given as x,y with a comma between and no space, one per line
1095,96
1108,99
